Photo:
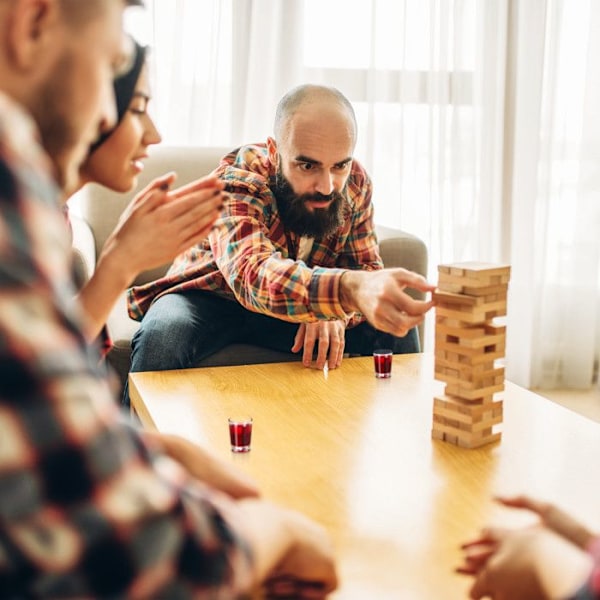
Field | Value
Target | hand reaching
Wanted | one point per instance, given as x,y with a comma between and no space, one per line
554,518
546,561
532,563
380,296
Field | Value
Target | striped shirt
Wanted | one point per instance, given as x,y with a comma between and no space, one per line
87,509
250,257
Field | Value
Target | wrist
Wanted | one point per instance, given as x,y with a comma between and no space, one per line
349,284
121,269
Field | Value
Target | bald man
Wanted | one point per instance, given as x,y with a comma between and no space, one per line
293,263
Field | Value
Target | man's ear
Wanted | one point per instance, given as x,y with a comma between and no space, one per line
272,150
31,28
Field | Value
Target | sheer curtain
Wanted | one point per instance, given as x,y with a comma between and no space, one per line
477,122
553,192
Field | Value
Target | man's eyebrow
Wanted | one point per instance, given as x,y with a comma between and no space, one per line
312,161
306,159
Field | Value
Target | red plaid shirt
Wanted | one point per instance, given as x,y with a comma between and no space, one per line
251,258
87,510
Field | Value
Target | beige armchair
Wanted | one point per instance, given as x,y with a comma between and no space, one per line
96,210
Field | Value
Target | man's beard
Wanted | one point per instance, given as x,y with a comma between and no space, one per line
318,223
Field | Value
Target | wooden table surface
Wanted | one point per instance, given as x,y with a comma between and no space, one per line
355,453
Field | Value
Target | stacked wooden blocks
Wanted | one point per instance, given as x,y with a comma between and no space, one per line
468,345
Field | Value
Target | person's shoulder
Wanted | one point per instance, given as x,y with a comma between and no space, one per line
358,171
246,167
253,158
359,181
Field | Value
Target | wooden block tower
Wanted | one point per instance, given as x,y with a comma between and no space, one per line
468,344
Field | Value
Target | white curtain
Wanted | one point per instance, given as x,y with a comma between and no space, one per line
477,121
553,193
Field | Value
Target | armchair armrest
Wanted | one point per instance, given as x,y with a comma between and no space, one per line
84,249
401,249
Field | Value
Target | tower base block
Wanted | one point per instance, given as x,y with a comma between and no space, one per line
465,423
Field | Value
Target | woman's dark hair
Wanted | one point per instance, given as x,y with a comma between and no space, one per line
124,88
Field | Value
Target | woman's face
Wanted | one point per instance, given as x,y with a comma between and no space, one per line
117,162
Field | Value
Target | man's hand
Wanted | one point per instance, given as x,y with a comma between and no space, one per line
293,555
533,563
380,296
330,337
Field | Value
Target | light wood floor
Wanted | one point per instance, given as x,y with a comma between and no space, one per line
585,402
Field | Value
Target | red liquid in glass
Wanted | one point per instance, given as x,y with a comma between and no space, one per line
240,435
383,365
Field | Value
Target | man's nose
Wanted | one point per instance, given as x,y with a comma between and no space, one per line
325,183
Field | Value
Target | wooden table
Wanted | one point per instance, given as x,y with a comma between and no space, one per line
356,454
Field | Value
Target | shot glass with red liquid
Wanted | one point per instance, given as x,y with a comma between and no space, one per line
240,433
382,359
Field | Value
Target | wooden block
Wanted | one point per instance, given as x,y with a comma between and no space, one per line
465,369
444,297
470,381
474,278
477,441
500,290
483,341
475,269
475,315
467,411
465,281
442,327
471,352
461,391
463,439
470,337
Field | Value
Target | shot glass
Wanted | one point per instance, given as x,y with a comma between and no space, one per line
382,360
240,433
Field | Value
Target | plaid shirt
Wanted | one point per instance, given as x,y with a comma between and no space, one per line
86,508
250,257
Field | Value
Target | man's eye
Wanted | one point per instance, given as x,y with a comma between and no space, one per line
306,166
342,166
138,111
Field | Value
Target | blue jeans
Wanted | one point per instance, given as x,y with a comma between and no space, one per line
181,329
